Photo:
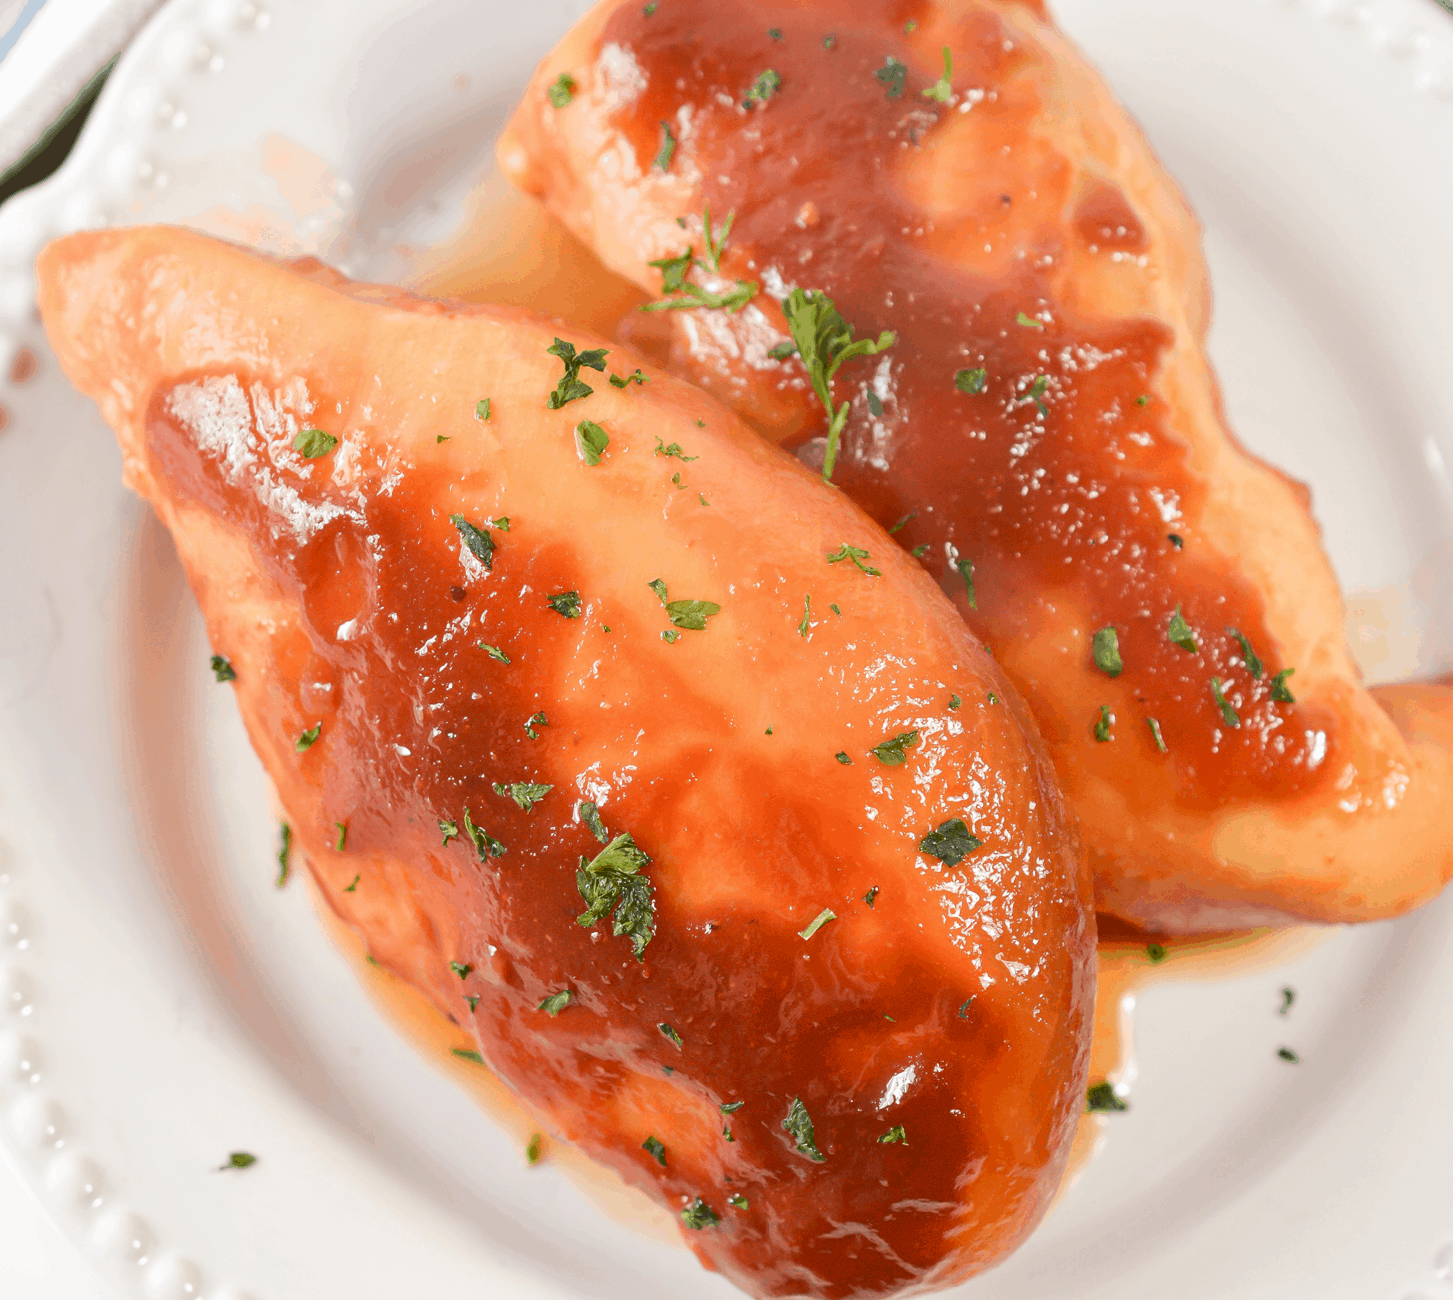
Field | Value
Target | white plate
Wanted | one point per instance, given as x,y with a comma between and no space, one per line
161,1004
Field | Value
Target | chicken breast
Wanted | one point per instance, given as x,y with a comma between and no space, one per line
628,742
1045,422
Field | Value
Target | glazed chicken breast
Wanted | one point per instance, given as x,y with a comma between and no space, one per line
637,749
1044,429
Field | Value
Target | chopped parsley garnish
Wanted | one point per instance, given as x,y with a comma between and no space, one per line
461,968
1102,727
691,614
700,1215
473,1000
467,1054
775,33
817,922
824,341
992,698
1101,1097
1106,650
1287,1054
526,794
312,443
1142,400
439,437
668,148
222,669
650,8
1288,996
1179,633
1035,393
561,90
870,896
829,41
669,1033
766,84
857,555
1156,952
1228,714
1248,655
613,879
1029,322
875,404
638,376
478,540
309,738
590,815
238,1160
590,441
484,843
798,1126
571,387
659,588
494,652
806,622
676,479
555,1003
285,847
481,409
672,449
951,843
342,829
701,496
893,751
690,295
892,75
964,1007
565,603
532,1148
670,637
971,381
836,610
737,1201
450,831
943,89
1279,690
895,1134
657,1149
966,571
912,514
535,720
781,351
842,757
731,1107
502,523
1154,726
1176,540
954,702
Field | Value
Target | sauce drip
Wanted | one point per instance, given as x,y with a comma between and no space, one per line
1062,480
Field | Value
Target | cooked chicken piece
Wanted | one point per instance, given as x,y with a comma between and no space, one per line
770,906
1046,416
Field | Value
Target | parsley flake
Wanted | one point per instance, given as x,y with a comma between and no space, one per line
1287,1054
691,614
731,1107
806,623
857,555
478,540
461,968
943,89
450,831
892,75
526,794
700,1215
766,84
971,381
1288,996
966,571
1154,726
1101,1097
781,351
798,1126
817,922
842,757
285,847
533,721
1106,651
870,896
562,90
555,1003
638,376
590,441
484,843
895,1134
1102,727
1228,715
670,637
1178,632
312,443
590,816
571,387
954,702
951,843
473,1000
532,1148
309,738
893,751
467,1054
1176,540
672,449
481,409
656,1149
1029,322
670,1033
222,669
824,342
912,514
1280,692
494,652
737,1201
668,148
613,880
1248,655
565,603
1155,952
238,1160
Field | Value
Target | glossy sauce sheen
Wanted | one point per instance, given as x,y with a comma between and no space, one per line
957,1005
1071,499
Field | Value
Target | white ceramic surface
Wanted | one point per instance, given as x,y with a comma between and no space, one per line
161,1004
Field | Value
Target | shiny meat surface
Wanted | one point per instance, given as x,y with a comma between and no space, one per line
956,174
832,999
